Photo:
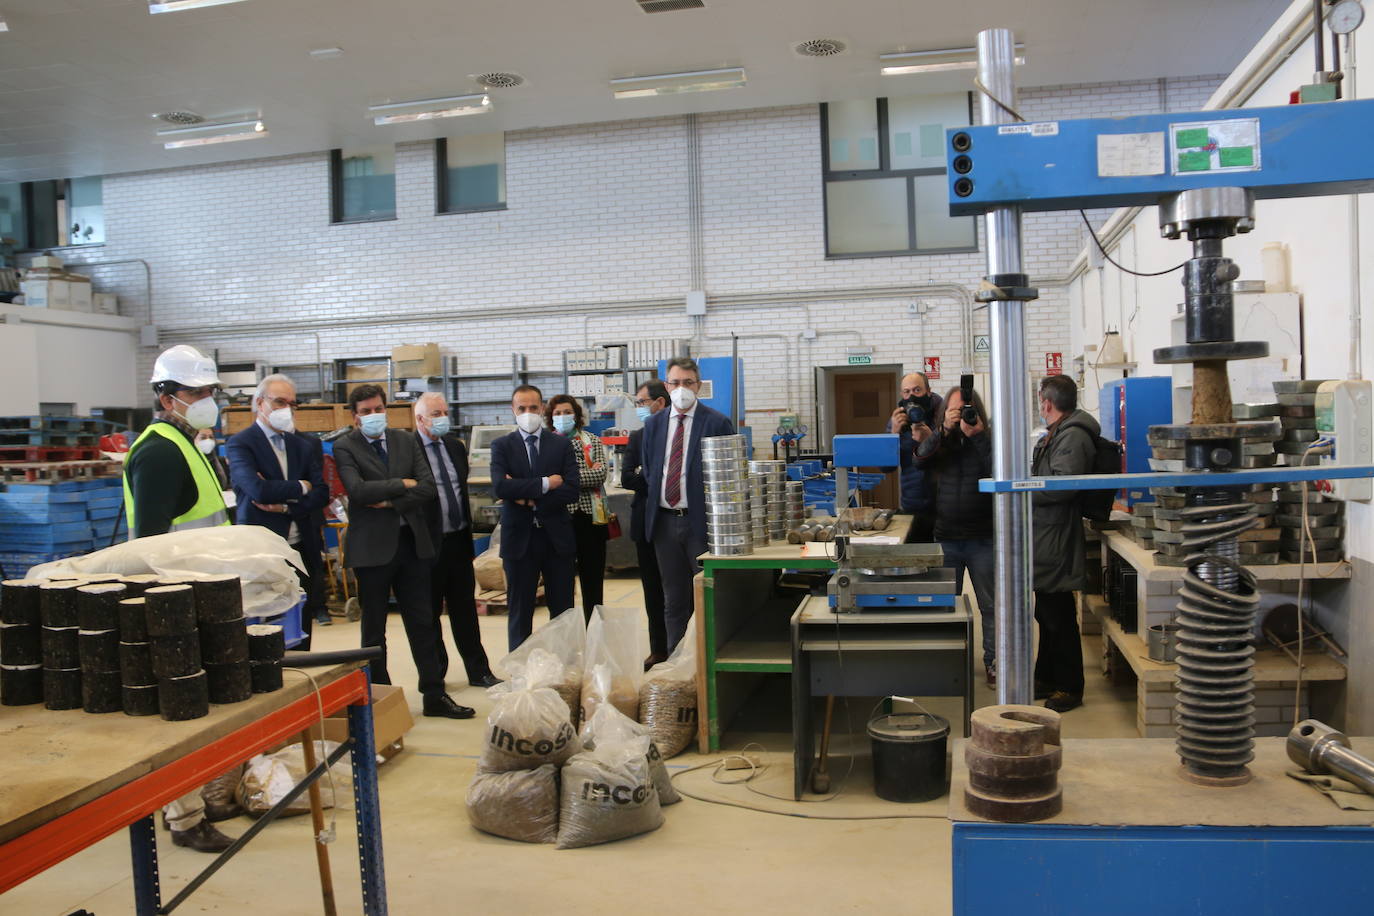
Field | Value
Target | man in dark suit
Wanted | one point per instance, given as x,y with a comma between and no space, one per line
675,513
278,480
390,548
534,474
452,581
651,397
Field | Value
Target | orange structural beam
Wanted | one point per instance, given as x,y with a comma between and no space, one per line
45,846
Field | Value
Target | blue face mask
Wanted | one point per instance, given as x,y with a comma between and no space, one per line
643,413
564,423
439,426
373,425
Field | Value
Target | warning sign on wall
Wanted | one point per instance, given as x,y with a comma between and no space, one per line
1054,363
932,369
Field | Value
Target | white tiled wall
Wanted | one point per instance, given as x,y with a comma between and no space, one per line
245,262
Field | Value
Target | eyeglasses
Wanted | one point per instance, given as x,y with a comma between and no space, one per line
643,402
676,383
279,403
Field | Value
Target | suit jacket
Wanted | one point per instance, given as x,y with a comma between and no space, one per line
510,458
373,533
256,476
654,445
632,479
434,509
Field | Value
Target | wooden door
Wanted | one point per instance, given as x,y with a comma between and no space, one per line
863,403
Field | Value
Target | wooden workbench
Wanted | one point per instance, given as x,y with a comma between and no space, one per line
1136,838
69,779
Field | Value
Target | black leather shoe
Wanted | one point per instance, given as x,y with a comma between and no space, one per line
654,659
441,704
323,621
486,680
203,837
1063,701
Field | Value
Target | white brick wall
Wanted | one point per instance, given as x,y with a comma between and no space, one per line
597,214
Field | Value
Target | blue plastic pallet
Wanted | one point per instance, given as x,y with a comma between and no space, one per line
40,514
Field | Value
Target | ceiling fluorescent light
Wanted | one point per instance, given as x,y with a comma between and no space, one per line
206,134
4,26
175,6
900,63
429,109
639,87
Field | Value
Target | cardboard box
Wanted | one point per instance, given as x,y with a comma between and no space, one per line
105,303
357,374
391,719
236,419
79,293
318,418
400,416
47,294
416,361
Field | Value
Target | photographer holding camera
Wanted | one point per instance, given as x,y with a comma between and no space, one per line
914,420
956,455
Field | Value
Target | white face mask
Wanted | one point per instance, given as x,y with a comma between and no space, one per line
282,420
529,423
206,446
683,398
203,414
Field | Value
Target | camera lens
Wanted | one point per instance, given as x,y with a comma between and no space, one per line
916,414
969,414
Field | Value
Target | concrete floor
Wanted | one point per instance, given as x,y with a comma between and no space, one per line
706,856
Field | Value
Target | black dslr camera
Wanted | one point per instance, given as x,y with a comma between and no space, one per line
915,410
969,413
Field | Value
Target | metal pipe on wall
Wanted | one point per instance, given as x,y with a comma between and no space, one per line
1007,324
147,276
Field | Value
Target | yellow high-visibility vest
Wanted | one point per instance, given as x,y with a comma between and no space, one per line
209,509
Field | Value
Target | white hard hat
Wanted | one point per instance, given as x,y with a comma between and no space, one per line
185,365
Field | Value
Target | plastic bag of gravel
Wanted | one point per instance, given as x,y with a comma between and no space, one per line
668,698
565,636
518,805
607,794
529,724
609,725
614,665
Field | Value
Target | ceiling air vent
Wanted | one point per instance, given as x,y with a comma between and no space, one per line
499,80
180,118
820,47
668,6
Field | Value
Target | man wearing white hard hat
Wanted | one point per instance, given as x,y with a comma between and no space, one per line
169,485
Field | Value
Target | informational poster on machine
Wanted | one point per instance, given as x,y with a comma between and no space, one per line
932,369
1232,145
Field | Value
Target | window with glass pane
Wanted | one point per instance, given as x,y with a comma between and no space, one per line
885,177
363,183
85,211
13,222
471,172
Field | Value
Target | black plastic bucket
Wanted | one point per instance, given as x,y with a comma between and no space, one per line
909,756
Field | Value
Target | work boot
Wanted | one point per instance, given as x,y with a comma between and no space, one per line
203,837
221,795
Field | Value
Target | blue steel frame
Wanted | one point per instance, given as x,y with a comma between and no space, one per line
1177,479
1304,151
1058,869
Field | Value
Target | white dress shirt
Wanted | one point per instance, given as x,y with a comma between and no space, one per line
274,437
688,418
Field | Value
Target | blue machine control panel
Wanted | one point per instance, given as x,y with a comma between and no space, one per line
1289,151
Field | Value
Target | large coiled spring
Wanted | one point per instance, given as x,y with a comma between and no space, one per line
1216,610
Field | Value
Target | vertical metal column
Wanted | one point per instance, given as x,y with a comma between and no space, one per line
367,809
147,887
1006,319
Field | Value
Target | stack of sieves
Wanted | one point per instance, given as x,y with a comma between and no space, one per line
796,504
758,508
728,529
775,473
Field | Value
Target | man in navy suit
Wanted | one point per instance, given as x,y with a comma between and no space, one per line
675,512
534,474
278,480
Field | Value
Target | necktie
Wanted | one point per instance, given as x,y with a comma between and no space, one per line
532,443
454,511
379,449
279,444
673,489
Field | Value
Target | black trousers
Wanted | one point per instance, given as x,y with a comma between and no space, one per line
1059,662
591,561
452,583
312,581
406,577
677,547
522,583
652,582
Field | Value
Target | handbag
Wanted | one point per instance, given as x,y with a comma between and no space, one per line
613,529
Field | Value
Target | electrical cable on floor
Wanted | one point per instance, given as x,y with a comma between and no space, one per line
327,835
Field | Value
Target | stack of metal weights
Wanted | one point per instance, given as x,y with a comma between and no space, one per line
729,531
775,475
1013,760
796,504
1297,413
758,509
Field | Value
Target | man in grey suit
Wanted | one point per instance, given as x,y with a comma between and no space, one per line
390,548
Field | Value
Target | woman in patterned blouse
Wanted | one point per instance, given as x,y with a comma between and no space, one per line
564,416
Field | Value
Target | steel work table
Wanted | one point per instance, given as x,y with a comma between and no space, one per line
918,652
1135,838
70,779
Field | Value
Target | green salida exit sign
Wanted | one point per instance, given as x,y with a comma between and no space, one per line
861,359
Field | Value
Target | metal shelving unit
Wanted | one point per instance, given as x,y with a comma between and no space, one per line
483,399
